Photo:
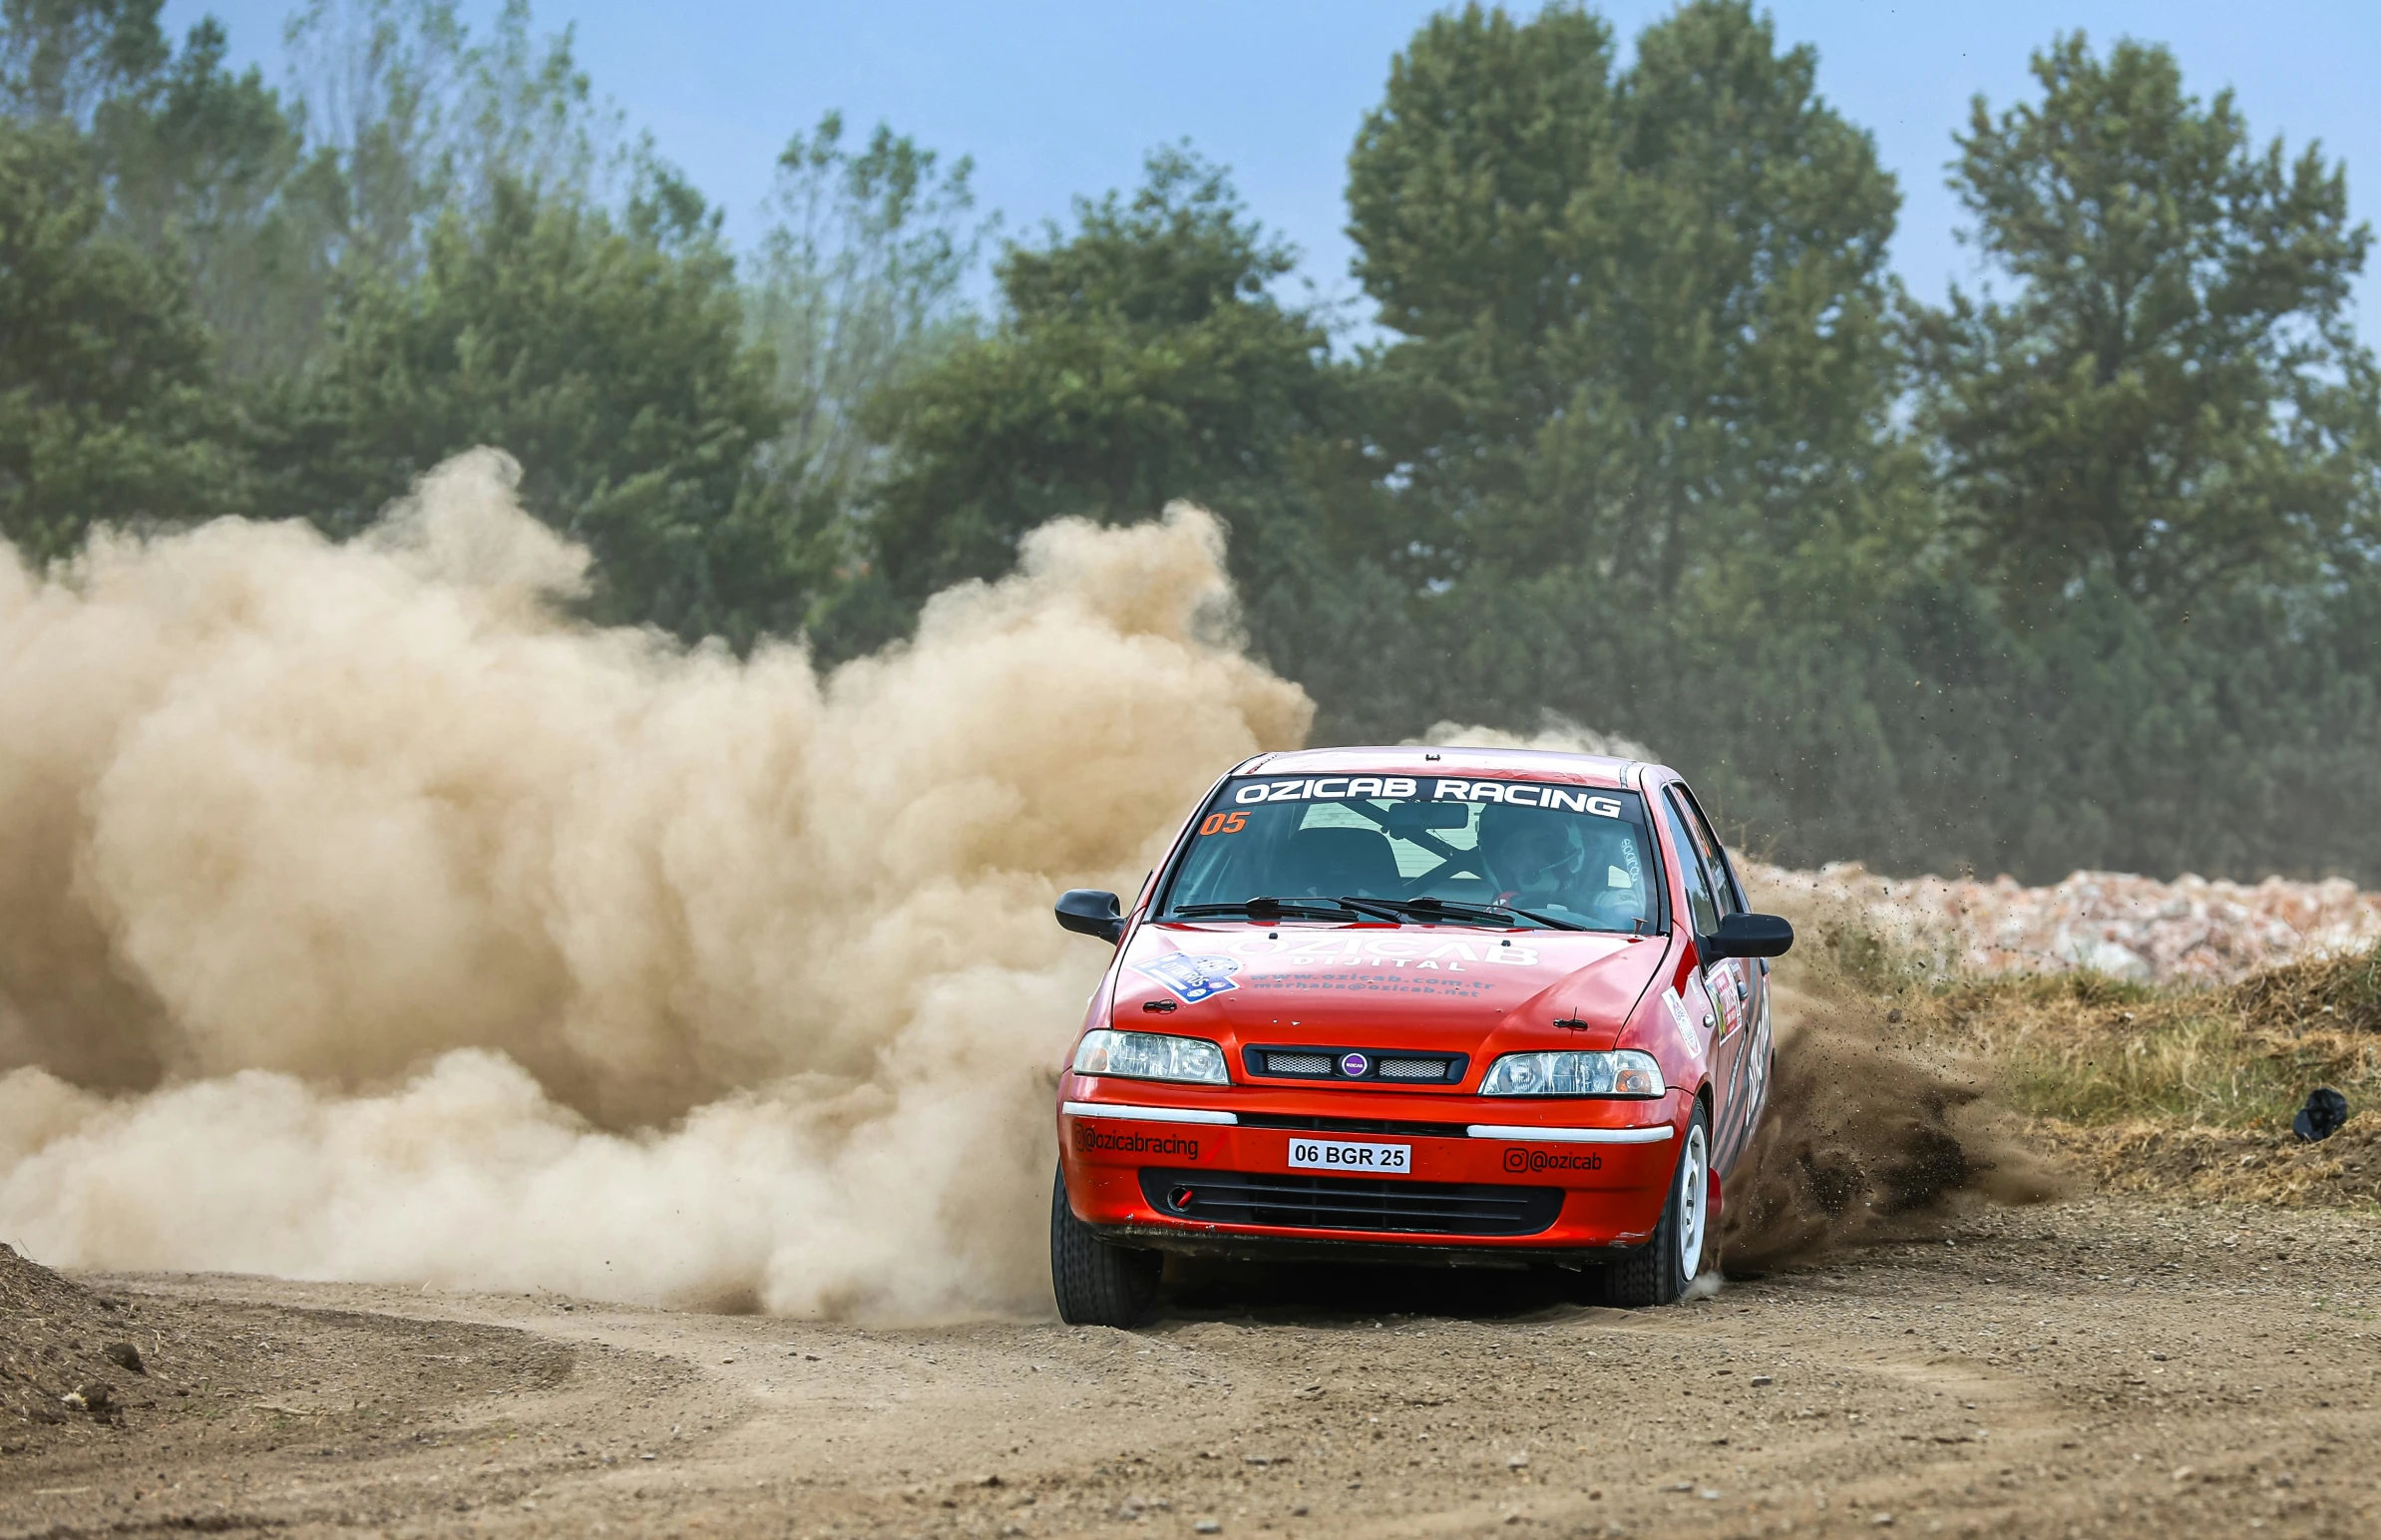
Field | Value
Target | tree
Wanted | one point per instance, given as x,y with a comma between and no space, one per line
398,113
608,359
199,164
858,286
1460,191
1644,317
105,412
2172,394
206,165
1139,359
1731,424
424,119
59,58
856,289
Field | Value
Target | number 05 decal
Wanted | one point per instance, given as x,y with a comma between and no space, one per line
1224,823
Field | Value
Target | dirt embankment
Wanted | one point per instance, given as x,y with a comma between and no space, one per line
69,1356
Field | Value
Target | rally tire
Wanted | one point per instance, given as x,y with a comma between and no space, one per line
1659,1273
1097,1285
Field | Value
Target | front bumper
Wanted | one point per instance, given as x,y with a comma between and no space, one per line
1602,1169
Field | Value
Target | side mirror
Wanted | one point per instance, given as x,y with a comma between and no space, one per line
1750,936
1090,911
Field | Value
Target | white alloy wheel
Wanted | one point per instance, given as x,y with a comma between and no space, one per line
1694,1191
1658,1272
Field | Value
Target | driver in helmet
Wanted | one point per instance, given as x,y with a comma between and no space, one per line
1528,855
1538,860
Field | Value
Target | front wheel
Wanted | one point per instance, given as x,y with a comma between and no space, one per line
1661,1271
1097,1285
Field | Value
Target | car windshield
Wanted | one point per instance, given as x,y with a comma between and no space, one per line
1419,848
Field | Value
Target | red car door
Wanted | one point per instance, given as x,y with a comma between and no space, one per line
1738,983
1713,998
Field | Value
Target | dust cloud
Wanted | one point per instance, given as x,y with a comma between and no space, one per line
1556,732
363,915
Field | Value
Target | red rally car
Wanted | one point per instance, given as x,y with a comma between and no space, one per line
1488,1006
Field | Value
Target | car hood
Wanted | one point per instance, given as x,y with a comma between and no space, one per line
1447,987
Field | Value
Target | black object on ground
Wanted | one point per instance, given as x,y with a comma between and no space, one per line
2321,1117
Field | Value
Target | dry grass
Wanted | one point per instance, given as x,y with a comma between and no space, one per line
2176,1090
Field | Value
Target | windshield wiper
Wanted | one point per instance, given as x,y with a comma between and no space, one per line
1498,914
1391,910
1269,908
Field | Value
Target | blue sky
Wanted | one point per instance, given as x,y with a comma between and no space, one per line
1057,99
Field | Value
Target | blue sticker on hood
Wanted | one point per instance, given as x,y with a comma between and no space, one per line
1192,978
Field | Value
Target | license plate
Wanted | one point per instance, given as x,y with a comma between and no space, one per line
1360,1159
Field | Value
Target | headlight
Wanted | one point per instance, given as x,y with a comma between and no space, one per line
1624,1073
1152,1056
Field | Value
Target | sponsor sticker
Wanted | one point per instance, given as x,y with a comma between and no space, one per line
1518,1160
1328,788
1400,788
1525,794
1364,1159
1101,1141
1678,1008
1191,976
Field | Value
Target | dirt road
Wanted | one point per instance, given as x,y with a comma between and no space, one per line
2101,1366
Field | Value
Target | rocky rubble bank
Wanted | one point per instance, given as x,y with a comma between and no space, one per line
2129,927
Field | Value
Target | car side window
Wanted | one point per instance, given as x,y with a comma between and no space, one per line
1691,871
1724,887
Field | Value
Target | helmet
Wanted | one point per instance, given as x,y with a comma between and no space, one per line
1525,845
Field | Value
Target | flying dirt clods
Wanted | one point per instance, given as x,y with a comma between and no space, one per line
1863,1139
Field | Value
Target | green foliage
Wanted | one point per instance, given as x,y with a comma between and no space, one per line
1644,317
1730,422
1139,359
425,120
104,408
856,290
206,165
609,361
1461,194
2172,394
2081,572
1461,182
59,58
1645,409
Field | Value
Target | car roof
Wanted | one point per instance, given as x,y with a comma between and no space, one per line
1424,759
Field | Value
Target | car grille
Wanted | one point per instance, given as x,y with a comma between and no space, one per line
1307,1062
1351,1203
1354,1125
1297,1065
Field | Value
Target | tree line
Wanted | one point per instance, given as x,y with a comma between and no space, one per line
2080,568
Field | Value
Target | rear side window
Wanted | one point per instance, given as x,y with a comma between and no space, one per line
1692,871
